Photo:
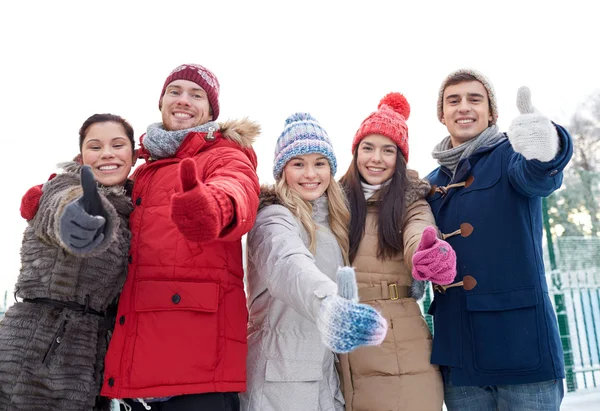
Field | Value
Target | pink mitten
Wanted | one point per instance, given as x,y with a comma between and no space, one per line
199,211
434,260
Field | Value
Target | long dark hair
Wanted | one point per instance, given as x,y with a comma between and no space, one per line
391,203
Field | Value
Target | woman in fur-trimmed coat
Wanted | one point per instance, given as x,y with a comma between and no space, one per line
52,344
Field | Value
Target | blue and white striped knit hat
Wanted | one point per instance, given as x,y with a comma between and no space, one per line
302,135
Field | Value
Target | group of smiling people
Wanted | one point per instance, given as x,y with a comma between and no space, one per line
132,288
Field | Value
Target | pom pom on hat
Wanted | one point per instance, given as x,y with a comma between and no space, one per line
389,120
397,102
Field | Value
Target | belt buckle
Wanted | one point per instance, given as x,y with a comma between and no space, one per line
393,291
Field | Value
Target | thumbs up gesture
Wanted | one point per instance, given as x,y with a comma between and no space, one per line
531,134
82,221
434,260
199,211
344,323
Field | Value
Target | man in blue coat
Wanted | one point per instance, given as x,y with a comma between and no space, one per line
495,332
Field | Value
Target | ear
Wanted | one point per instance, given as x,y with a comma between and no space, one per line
78,159
136,155
444,119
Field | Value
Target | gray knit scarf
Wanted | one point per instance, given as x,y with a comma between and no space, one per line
162,143
449,157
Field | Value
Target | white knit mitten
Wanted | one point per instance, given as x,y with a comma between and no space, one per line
531,134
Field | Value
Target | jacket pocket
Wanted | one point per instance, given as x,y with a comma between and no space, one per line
176,296
291,385
54,344
279,370
505,330
176,325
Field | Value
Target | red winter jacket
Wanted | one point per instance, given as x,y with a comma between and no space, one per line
181,322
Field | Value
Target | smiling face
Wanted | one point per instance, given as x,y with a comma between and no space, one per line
108,151
465,111
309,175
376,158
184,105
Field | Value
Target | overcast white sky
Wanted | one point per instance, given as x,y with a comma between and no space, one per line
65,60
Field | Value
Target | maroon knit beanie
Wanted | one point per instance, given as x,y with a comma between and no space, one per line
389,121
202,77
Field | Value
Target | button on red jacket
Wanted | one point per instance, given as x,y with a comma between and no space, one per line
181,322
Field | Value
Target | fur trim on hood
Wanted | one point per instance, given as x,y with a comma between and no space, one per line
417,187
267,196
243,131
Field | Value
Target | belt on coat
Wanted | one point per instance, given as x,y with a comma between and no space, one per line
383,291
85,309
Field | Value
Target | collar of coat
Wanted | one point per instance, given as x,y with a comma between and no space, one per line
242,131
416,189
74,167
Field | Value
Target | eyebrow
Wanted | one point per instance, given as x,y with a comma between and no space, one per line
113,139
468,95
366,143
301,159
179,88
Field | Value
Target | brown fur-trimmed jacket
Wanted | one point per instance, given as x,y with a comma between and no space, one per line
51,357
396,375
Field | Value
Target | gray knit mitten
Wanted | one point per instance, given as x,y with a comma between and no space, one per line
345,324
531,134
82,222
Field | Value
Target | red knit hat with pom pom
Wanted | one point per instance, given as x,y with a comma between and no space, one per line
389,120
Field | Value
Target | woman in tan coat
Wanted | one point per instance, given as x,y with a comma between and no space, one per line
388,218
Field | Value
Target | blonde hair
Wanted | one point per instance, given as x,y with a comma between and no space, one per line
339,214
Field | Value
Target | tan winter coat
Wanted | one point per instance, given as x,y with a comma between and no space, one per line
396,375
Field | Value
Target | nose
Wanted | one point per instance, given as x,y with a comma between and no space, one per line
309,172
376,156
464,105
183,99
107,152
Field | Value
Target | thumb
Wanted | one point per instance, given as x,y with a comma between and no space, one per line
428,238
346,281
524,100
187,174
91,199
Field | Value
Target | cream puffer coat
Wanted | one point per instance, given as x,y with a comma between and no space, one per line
289,368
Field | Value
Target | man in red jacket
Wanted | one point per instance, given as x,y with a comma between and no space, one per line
180,338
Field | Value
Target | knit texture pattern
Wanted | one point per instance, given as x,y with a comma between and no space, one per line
161,143
200,212
481,78
302,135
200,75
531,134
449,157
434,260
389,120
345,324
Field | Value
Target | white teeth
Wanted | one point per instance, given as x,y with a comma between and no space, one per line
375,169
465,121
106,168
309,185
182,115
